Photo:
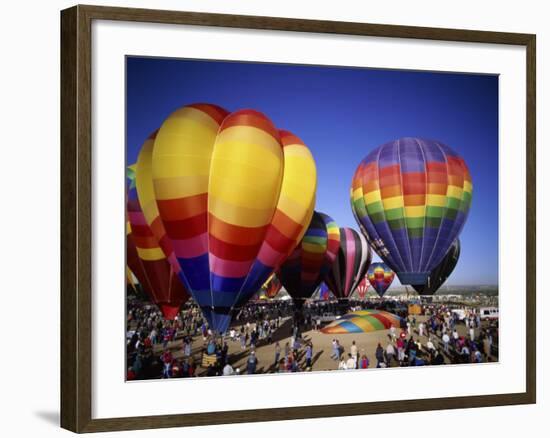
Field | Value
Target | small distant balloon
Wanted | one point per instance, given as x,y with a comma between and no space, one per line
380,277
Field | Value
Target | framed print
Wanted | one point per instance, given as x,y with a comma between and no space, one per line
268,219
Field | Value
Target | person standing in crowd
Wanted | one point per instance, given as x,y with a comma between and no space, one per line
342,365
353,351
335,349
309,355
166,359
390,353
228,370
251,363
379,354
351,364
364,362
277,353
445,338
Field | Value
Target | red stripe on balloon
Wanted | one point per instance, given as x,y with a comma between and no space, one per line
253,118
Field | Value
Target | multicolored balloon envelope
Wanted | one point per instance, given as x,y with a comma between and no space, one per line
380,277
234,196
312,259
272,286
324,292
441,272
362,321
411,198
148,263
362,288
351,264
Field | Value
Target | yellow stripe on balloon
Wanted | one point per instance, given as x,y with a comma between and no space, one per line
363,324
299,182
246,169
239,215
183,148
454,192
415,211
372,197
357,193
150,254
144,182
314,248
436,200
173,188
468,186
244,137
394,202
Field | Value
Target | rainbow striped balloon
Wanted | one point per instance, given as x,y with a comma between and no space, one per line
311,260
351,264
380,277
363,321
411,198
235,196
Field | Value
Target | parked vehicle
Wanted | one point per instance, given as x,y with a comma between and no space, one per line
488,313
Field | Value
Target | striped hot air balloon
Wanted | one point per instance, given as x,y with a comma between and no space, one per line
235,196
148,262
380,277
312,259
441,272
351,263
411,198
324,292
272,286
362,288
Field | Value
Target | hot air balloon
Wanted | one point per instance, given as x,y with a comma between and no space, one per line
235,196
362,288
311,260
441,272
272,286
380,277
151,267
351,263
411,198
324,292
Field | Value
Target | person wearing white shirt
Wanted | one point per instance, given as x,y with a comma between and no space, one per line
445,338
351,363
228,370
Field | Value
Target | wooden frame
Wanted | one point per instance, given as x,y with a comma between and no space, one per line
76,174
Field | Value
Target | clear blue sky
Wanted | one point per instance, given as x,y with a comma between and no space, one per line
342,114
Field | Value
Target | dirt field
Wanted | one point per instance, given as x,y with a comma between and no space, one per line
322,348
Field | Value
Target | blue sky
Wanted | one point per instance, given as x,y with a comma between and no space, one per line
342,114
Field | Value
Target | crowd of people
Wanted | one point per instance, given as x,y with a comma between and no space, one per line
186,347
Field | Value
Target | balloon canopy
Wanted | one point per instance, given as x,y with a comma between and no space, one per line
380,277
233,198
148,262
362,288
362,321
351,263
272,286
312,259
411,198
441,272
